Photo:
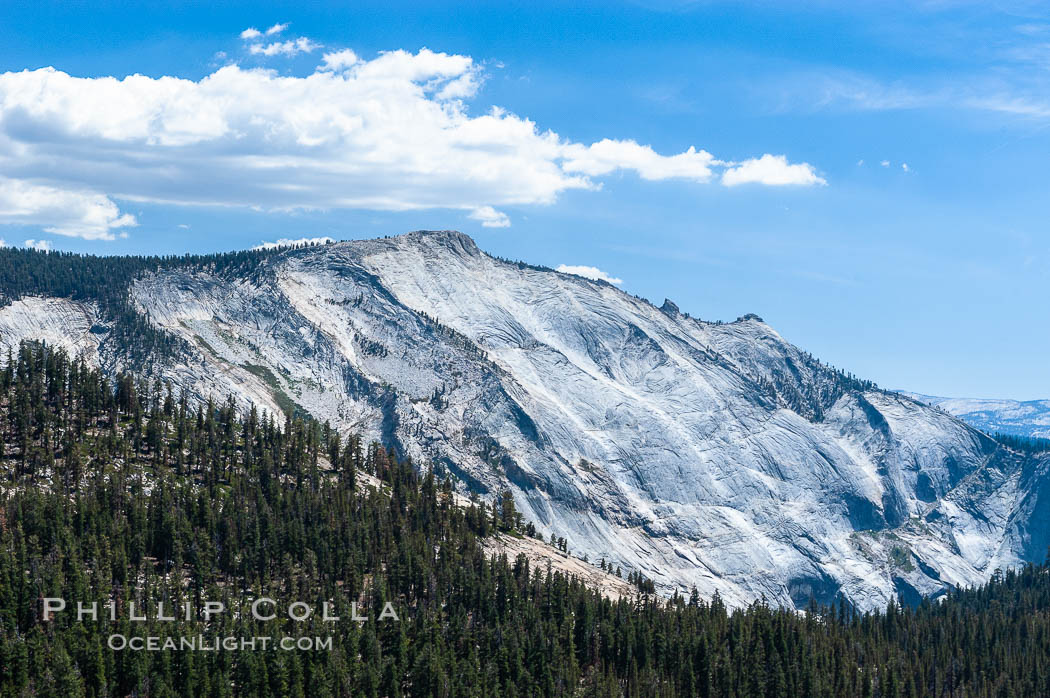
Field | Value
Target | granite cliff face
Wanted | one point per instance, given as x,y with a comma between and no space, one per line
706,454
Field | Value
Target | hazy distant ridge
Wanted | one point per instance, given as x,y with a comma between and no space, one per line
1027,418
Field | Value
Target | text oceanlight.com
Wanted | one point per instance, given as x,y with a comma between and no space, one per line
154,643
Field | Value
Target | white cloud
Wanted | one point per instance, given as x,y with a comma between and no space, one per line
771,170
291,47
607,156
391,133
464,86
252,33
339,60
42,245
298,242
885,163
860,163
904,166
490,217
75,212
593,273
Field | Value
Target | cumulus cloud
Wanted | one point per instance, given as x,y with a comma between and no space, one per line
593,273
607,156
251,33
338,60
490,217
773,171
297,242
291,47
394,132
904,166
42,245
75,212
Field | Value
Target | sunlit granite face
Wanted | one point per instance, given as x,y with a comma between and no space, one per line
701,454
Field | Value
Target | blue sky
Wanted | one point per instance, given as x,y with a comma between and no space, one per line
795,204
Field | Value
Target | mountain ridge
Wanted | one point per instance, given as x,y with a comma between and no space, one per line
1028,418
708,454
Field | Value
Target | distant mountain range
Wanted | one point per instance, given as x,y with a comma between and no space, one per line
707,454
1028,418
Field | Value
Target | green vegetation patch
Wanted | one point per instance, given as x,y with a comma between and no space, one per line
900,556
286,403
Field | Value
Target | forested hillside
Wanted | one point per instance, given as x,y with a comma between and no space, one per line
126,493
105,280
